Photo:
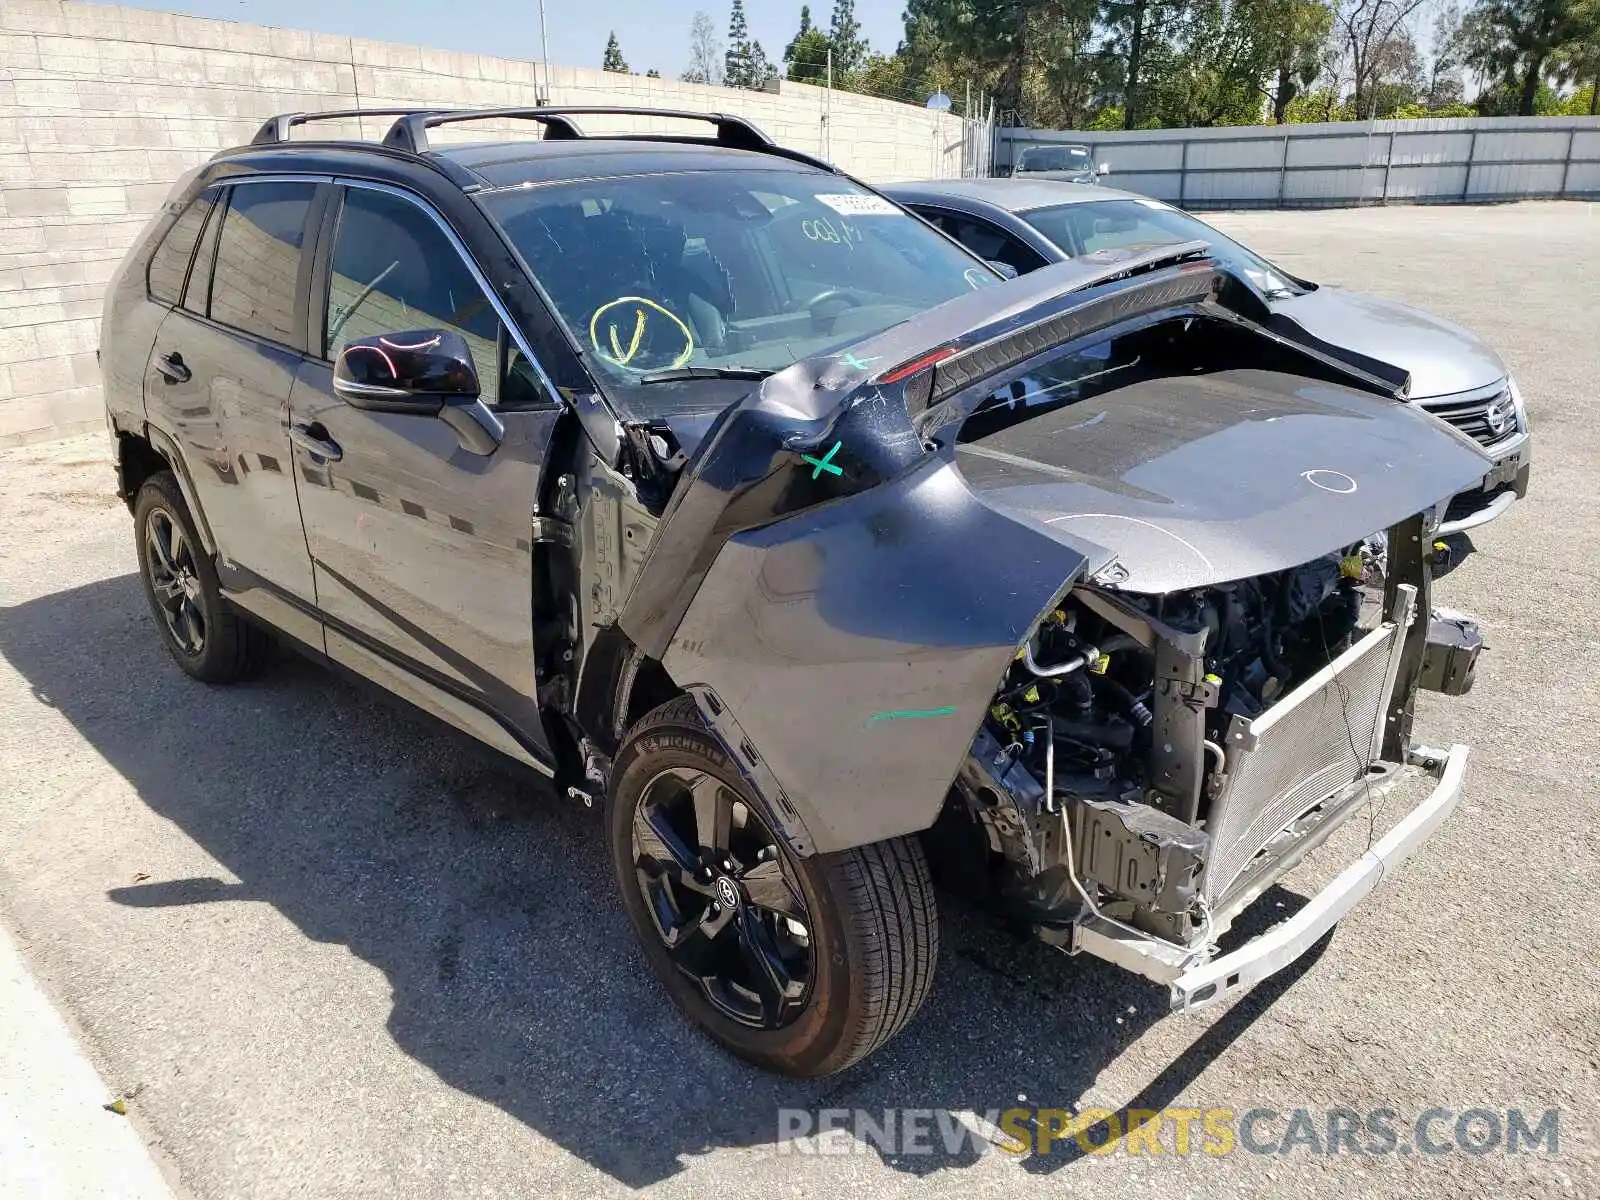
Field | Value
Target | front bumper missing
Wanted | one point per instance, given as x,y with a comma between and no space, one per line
1198,982
1205,983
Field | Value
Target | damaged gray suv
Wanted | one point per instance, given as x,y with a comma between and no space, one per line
701,478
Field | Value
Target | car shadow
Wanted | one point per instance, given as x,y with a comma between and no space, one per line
488,905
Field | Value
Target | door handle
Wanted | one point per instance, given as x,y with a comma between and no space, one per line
172,368
314,438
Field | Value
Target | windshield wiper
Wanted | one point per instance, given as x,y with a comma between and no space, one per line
677,373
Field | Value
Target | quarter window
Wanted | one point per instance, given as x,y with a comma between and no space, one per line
395,271
258,259
170,263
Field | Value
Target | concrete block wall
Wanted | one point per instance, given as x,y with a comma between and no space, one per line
102,108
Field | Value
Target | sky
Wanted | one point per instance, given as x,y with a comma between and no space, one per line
651,34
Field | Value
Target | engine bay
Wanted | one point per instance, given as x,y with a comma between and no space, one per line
1106,778
1089,685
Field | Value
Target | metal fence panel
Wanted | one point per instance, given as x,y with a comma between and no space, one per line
1433,160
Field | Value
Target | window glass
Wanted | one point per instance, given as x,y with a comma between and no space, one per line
258,259
395,271
991,243
1055,158
170,262
747,268
1135,225
197,295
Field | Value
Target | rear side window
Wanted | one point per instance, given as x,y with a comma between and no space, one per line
170,263
253,288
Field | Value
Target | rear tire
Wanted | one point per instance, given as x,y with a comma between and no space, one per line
206,637
803,1004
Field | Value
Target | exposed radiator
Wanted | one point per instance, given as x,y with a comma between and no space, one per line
1314,742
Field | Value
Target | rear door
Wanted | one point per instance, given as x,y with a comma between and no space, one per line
221,370
421,547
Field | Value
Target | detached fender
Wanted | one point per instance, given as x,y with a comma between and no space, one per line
856,647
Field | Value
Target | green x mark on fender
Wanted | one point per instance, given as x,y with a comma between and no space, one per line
824,463
860,364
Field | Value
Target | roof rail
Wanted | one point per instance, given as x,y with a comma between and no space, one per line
410,132
276,129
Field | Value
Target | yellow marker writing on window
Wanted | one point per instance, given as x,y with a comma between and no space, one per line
624,358
633,346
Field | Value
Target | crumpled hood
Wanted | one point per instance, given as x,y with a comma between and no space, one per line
1441,357
839,582
1195,480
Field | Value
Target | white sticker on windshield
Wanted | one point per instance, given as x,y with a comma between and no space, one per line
851,204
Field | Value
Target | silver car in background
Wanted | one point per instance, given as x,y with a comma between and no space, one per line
1068,163
1028,223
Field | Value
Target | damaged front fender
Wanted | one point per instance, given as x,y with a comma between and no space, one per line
855,648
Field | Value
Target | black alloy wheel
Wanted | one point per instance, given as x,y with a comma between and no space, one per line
731,919
803,964
171,564
205,636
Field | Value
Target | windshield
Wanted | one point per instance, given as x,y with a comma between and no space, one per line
1135,225
1055,158
729,271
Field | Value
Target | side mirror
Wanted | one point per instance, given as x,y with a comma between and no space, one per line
423,373
1103,169
1005,269
415,372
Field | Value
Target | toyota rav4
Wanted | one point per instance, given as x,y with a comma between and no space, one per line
700,477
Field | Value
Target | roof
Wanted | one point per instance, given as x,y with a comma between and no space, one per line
504,164
563,152
1013,195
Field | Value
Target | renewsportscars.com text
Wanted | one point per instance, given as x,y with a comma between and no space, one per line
1169,1131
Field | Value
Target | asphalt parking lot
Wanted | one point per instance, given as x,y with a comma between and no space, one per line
328,948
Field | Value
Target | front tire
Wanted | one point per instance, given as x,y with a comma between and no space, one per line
801,965
204,636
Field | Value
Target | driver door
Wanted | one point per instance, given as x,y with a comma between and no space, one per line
420,546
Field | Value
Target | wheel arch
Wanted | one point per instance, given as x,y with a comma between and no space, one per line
143,454
620,684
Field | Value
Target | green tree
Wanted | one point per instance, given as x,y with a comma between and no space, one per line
844,35
762,71
745,64
805,28
807,57
737,69
1295,33
1518,44
1580,59
1144,33
613,60
884,75
652,73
